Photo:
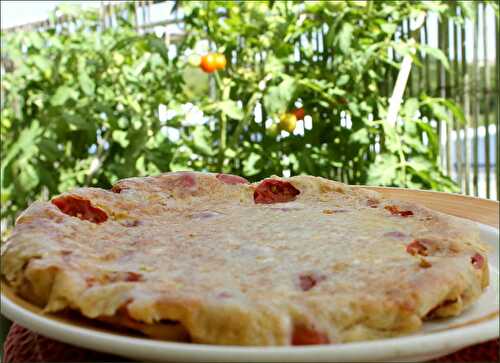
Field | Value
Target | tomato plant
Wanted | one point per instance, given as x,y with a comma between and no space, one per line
88,106
277,61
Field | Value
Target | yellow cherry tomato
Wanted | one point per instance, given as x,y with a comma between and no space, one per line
220,61
288,122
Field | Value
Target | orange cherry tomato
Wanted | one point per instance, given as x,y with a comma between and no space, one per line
220,61
208,64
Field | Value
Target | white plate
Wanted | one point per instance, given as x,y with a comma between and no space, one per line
436,338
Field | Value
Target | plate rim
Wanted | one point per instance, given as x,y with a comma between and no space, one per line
378,349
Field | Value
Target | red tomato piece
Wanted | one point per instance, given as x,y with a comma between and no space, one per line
182,180
477,261
308,281
133,277
392,208
303,335
80,207
416,247
117,189
405,213
231,179
274,191
395,210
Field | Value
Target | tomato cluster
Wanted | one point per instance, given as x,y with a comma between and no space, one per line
288,120
209,63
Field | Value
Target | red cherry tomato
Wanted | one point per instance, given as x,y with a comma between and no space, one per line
299,113
208,64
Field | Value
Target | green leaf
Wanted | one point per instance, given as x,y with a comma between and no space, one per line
158,45
360,3
413,143
70,9
43,64
48,147
36,40
120,137
278,97
360,136
354,108
419,164
126,42
410,107
62,94
249,164
388,28
391,138
201,140
86,84
25,144
342,80
230,153
28,177
455,110
231,109
384,170
273,65
433,146
134,105
345,37
181,159
438,110
76,121
436,53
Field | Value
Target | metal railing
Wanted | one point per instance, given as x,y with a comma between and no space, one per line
469,152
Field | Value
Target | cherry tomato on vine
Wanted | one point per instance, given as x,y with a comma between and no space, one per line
273,130
208,64
220,61
299,113
288,122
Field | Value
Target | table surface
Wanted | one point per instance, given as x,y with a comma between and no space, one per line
476,209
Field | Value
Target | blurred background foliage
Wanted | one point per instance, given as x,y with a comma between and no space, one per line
86,105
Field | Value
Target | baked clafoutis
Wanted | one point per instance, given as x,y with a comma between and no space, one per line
213,259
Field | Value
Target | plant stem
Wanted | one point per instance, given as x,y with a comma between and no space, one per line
223,122
402,158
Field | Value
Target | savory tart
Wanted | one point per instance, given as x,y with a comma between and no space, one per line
211,258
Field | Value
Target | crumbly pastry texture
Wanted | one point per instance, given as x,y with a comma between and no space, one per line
211,258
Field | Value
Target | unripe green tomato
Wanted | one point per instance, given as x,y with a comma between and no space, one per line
273,130
194,60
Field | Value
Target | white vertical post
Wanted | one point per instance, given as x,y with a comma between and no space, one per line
404,72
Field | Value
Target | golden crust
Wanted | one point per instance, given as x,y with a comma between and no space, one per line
191,249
